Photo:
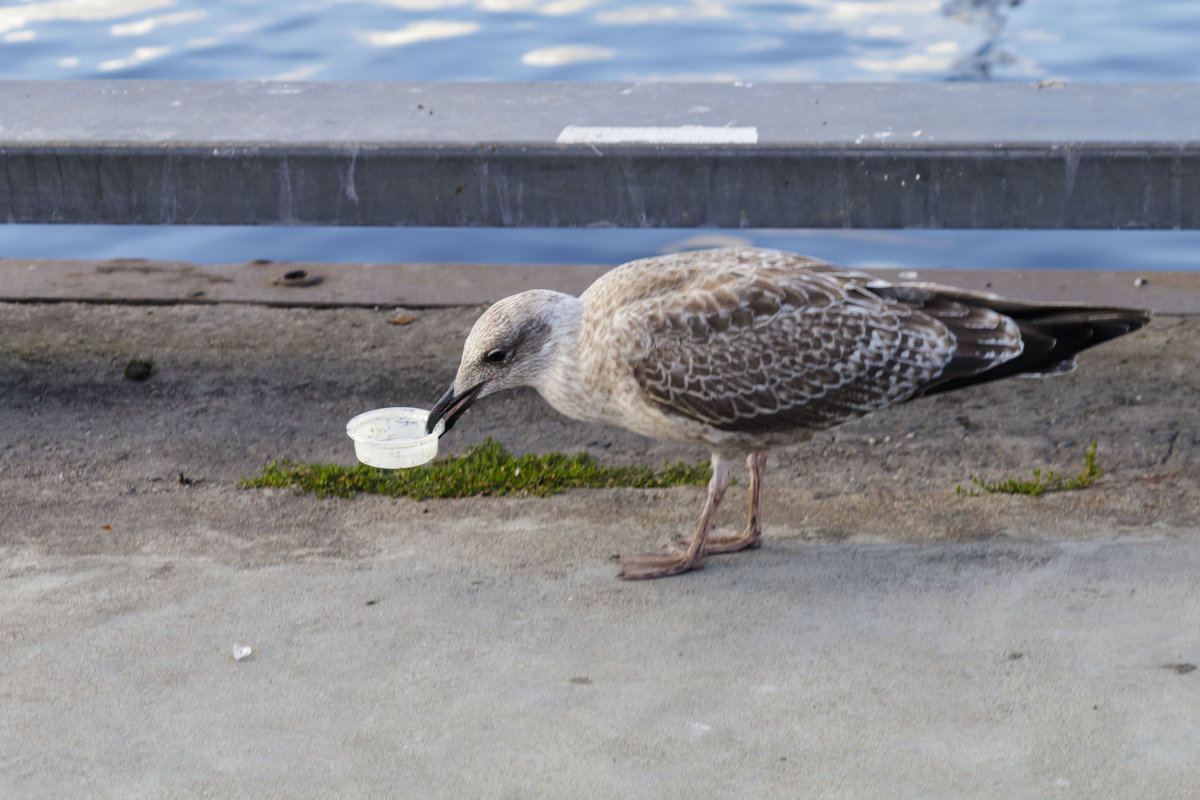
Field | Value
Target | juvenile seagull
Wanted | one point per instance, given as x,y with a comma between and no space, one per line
741,350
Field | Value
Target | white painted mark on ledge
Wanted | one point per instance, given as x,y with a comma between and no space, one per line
681,134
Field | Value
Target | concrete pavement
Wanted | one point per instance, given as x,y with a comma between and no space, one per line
891,639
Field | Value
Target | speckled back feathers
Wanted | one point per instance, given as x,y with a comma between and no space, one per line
761,342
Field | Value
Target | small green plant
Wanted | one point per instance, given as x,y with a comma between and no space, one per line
1049,482
486,469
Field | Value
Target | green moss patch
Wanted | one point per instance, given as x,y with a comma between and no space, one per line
486,469
1041,483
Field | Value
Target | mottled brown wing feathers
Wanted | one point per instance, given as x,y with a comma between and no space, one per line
771,349
759,341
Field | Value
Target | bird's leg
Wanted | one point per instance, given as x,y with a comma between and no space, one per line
675,560
756,462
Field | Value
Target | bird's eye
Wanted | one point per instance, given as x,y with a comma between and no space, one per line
496,357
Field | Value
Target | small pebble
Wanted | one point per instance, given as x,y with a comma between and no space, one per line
138,369
403,319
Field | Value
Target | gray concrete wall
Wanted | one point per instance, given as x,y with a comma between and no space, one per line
948,155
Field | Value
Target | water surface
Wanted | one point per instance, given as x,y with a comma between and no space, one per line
591,40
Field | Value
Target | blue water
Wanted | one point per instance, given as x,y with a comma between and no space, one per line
587,40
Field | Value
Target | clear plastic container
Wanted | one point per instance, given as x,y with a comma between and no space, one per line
394,438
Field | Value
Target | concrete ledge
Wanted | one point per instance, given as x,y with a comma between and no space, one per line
426,285
1099,156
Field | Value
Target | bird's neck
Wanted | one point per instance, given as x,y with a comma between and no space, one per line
558,383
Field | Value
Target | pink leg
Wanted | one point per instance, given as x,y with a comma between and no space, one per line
756,462
674,560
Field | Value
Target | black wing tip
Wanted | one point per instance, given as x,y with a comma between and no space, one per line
1052,338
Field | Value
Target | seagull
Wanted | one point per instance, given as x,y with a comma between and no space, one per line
742,349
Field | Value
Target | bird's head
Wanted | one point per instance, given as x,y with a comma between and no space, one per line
512,344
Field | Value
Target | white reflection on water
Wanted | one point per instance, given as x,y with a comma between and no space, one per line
910,64
413,5
823,40
302,72
424,31
565,54
553,8
841,9
139,56
560,8
507,6
13,17
938,57
643,15
144,26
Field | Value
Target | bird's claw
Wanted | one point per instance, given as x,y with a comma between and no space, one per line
724,540
671,561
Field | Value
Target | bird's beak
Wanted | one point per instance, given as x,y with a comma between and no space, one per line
451,407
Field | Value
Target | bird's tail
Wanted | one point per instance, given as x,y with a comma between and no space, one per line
1050,334
1051,338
